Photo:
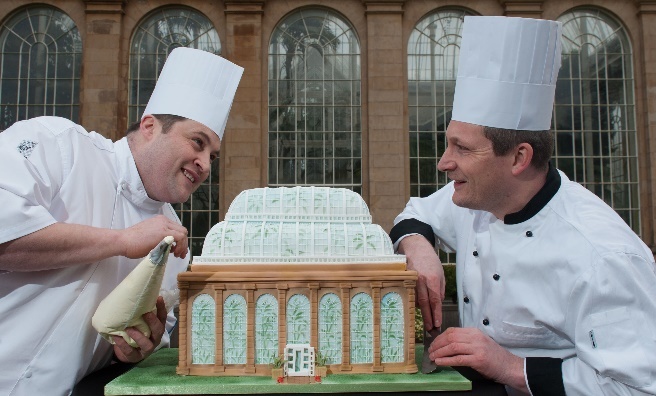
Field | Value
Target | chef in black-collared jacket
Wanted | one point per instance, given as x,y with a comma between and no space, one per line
557,295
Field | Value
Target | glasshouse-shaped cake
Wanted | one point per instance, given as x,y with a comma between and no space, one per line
297,266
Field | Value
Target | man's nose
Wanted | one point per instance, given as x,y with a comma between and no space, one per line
445,164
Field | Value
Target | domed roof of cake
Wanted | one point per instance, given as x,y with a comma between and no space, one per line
297,224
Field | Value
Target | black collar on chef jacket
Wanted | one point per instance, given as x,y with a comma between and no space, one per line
540,199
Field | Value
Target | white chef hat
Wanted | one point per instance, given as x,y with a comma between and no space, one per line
507,72
197,85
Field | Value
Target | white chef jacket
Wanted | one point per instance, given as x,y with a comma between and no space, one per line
52,170
564,278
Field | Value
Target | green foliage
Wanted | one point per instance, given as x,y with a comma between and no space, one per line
451,292
278,362
320,359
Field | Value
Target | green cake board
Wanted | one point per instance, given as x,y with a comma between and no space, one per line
156,376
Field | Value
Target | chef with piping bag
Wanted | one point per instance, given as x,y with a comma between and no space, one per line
79,212
557,295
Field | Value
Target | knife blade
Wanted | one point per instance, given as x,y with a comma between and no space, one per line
427,365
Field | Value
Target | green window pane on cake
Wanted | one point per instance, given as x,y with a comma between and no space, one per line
266,329
330,328
298,319
362,323
234,330
391,328
203,337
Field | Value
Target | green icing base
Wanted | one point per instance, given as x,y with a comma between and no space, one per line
156,375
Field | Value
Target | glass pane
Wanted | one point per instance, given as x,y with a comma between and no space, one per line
314,61
594,100
40,63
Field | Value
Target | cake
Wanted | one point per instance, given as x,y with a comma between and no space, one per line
299,278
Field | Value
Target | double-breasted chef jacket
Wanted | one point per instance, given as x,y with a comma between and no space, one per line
52,170
564,283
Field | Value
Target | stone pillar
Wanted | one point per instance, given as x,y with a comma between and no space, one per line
282,317
646,117
242,167
219,290
376,298
184,338
411,366
100,74
314,314
345,296
250,328
386,110
522,8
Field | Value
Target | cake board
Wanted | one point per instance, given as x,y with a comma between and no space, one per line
156,376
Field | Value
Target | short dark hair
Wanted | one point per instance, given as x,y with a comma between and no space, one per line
167,121
504,140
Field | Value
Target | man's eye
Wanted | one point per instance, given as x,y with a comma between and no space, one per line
199,142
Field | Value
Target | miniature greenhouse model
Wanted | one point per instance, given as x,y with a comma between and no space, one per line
297,266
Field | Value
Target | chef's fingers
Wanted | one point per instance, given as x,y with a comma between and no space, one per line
142,237
124,352
145,344
180,247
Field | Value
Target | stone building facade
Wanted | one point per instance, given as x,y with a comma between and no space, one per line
384,66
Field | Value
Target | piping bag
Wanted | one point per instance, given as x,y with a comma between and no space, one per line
134,296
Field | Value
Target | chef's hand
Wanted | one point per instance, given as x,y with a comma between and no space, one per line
421,257
146,345
142,237
470,347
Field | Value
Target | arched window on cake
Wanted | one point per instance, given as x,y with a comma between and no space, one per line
594,113
298,319
330,328
266,329
40,65
203,335
315,133
234,330
155,37
391,328
362,329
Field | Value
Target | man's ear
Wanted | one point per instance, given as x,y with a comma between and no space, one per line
522,158
147,126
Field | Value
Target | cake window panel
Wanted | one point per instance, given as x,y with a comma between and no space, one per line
356,239
391,328
203,334
253,242
266,329
362,323
270,240
338,236
234,330
288,239
233,237
304,238
322,239
298,319
330,328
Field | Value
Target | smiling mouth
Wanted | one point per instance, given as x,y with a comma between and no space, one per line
188,176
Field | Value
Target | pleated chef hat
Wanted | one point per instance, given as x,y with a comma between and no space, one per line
197,85
507,72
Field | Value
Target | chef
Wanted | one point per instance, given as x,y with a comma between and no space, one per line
557,295
80,211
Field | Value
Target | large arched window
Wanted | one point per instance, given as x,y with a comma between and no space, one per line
594,114
266,329
40,63
314,102
154,39
433,54
298,319
362,328
203,335
234,329
433,50
330,328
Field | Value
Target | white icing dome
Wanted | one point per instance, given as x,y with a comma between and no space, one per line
297,225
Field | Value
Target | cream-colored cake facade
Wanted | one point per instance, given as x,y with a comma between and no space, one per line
301,276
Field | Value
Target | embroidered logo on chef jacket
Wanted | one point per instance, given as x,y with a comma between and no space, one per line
26,147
